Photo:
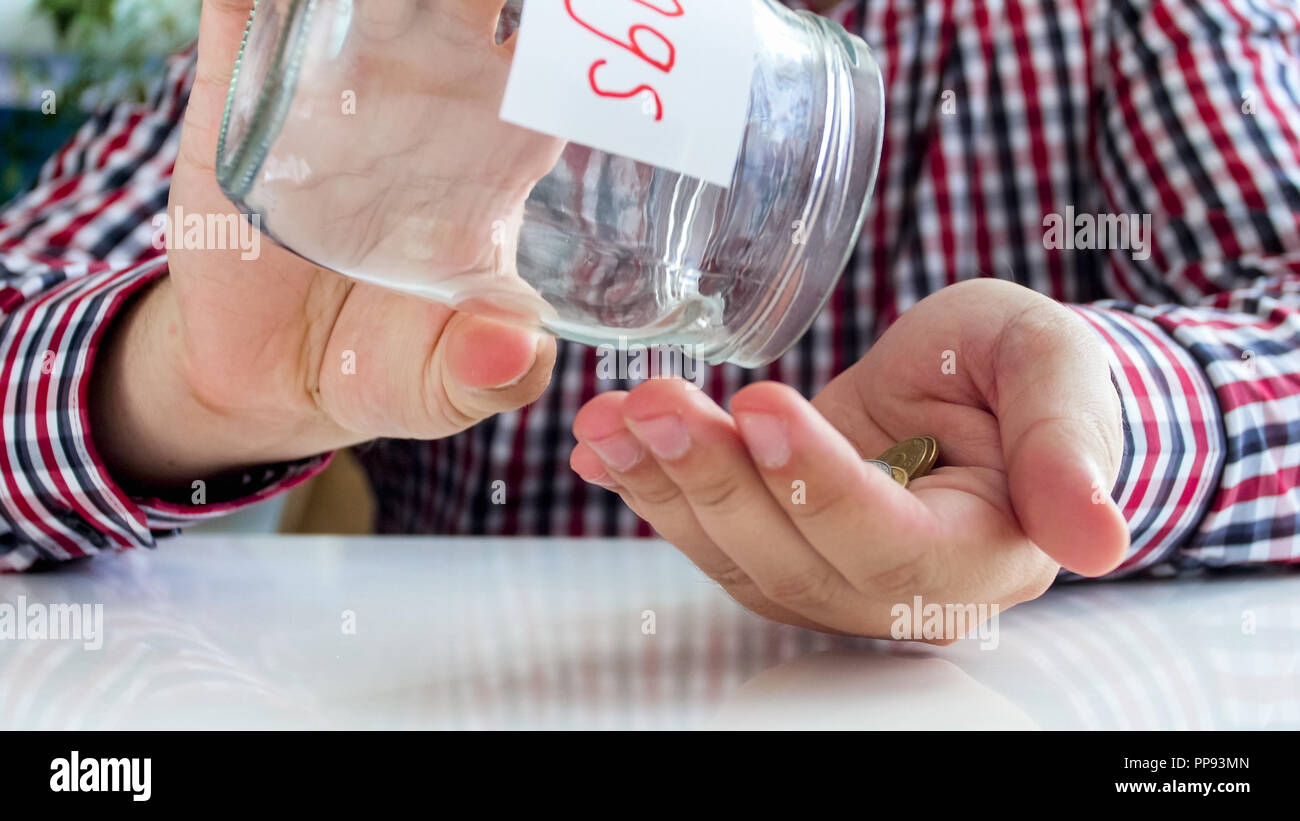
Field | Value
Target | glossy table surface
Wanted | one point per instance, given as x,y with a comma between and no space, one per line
297,632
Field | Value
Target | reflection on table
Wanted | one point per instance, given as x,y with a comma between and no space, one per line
231,632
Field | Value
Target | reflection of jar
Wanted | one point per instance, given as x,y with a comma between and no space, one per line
420,187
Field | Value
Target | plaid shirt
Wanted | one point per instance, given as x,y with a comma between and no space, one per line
1000,112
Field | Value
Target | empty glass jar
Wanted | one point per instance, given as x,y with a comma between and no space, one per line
371,144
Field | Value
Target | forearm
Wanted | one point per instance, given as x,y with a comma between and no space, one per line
89,390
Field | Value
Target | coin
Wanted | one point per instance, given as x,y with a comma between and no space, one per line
931,457
900,476
916,456
884,466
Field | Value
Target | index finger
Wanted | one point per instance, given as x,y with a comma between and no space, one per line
877,533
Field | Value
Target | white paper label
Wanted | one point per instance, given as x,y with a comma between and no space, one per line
664,82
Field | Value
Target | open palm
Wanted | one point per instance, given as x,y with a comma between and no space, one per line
775,502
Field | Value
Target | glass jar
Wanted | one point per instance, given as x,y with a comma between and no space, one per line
422,188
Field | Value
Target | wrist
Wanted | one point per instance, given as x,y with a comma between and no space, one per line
150,426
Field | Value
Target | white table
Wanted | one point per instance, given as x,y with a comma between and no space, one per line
251,632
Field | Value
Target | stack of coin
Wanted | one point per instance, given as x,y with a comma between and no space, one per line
909,459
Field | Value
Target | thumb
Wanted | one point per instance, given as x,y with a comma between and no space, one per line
221,31
487,367
1061,426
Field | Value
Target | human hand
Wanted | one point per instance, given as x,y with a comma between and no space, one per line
230,362
1030,444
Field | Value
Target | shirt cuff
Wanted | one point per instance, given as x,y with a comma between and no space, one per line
1173,436
59,501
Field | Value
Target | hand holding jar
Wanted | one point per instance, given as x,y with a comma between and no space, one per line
367,140
231,361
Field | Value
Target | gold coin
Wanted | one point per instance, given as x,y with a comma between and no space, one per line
916,456
900,475
931,456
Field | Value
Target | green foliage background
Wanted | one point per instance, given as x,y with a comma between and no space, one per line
118,46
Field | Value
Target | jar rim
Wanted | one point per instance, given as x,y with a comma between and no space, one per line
237,165
751,345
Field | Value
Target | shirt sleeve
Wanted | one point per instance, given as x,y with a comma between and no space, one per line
1200,130
73,250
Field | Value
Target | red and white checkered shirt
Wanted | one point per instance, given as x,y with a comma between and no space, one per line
1000,112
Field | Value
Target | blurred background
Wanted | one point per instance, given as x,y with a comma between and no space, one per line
90,52
86,52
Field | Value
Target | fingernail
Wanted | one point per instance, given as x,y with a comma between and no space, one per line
603,480
537,349
766,437
665,435
621,451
